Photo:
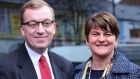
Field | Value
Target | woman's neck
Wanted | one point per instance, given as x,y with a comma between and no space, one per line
100,63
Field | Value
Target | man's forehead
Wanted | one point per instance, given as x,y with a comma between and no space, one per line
39,13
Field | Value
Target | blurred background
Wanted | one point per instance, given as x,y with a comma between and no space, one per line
69,40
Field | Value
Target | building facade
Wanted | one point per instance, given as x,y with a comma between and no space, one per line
70,18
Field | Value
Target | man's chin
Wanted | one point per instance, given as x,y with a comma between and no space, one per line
40,50
42,47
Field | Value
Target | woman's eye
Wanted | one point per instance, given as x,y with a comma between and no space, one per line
95,34
108,34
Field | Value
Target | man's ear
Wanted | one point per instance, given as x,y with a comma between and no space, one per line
55,26
22,31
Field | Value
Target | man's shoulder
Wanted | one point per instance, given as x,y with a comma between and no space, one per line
57,57
61,62
13,54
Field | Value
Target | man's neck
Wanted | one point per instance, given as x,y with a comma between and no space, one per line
37,50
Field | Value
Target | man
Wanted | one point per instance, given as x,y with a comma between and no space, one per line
27,61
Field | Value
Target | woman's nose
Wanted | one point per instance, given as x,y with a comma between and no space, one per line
101,38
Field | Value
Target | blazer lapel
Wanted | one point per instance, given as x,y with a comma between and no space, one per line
56,71
56,67
24,64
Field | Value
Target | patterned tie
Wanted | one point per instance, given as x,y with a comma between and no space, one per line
44,68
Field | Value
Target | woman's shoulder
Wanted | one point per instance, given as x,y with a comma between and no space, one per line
123,65
80,66
134,67
78,70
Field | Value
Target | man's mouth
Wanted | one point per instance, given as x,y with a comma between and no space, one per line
102,45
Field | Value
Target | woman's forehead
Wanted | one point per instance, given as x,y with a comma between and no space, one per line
103,28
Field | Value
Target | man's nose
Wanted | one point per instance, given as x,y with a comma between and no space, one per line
41,28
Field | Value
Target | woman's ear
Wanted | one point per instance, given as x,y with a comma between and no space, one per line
87,42
116,44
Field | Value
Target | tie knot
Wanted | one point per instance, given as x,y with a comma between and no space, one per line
42,58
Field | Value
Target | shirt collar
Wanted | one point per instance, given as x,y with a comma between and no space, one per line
34,55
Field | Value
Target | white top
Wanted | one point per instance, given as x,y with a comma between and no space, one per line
35,60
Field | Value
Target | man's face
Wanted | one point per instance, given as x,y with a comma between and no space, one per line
41,36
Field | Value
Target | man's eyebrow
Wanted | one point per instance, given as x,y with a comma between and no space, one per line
48,19
30,21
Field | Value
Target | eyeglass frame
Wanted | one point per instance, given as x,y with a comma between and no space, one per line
36,23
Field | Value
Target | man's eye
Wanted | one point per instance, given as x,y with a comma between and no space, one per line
47,23
32,24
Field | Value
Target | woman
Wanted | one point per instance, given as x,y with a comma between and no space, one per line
106,62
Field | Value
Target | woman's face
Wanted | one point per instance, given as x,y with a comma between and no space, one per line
101,43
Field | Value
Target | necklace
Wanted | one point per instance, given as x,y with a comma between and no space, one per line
86,68
105,73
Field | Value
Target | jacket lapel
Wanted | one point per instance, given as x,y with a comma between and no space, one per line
121,64
56,67
56,71
25,67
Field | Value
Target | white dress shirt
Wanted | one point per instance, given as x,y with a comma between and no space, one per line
35,60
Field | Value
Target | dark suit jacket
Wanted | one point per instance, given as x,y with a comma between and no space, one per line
18,65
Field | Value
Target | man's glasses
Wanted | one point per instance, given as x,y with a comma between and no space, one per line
34,24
